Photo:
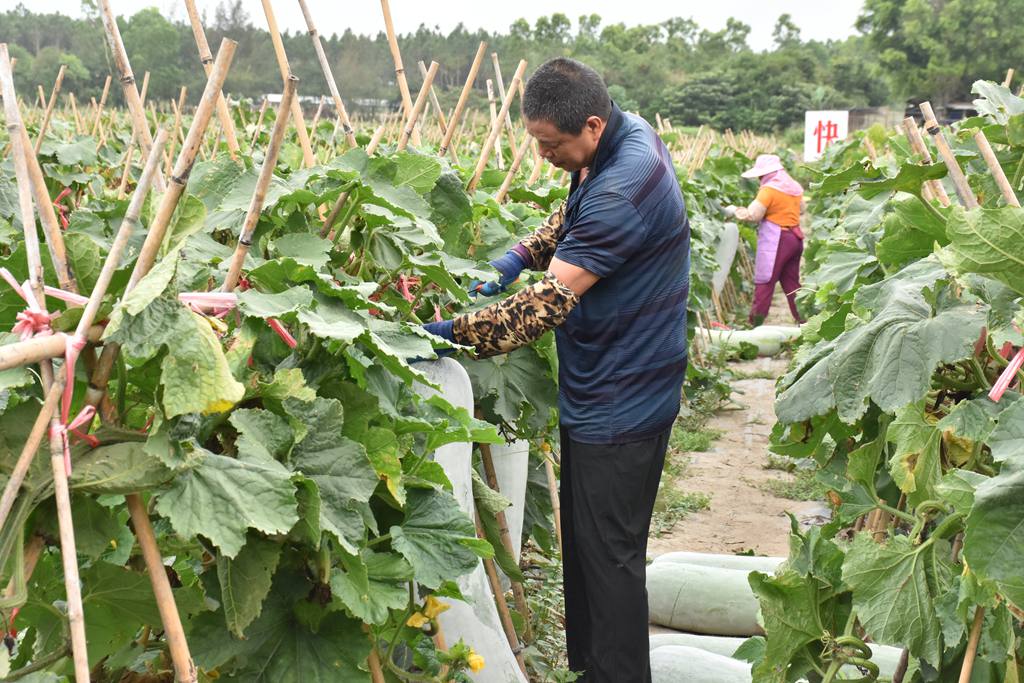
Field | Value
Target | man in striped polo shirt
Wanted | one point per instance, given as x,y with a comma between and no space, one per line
616,258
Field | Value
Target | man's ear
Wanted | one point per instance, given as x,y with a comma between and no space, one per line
595,124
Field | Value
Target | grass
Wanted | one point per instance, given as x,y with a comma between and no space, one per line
753,374
545,656
672,504
693,441
803,486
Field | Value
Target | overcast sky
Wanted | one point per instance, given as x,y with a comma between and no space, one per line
819,19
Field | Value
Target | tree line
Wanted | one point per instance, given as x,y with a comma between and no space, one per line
905,49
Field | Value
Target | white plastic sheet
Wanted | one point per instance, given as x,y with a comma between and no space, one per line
476,622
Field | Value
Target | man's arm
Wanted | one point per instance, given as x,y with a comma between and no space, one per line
540,245
523,317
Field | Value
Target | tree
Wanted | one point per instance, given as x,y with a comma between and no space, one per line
154,45
786,33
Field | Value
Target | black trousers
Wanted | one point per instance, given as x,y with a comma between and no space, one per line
607,497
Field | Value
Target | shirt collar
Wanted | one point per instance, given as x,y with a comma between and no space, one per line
605,146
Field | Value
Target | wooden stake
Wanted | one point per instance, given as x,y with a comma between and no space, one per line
972,645
496,126
501,93
494,119
538,165
28,452
252,216
227,124
79,125
131,94
549,470
259,122
168,202
49,108
99,107
518,594
184,669
417,109
332,86
963,188
995,168
42,97
499,599
514,168
396,55
316,119
179,108
308,159
474,69
1009,78
913,134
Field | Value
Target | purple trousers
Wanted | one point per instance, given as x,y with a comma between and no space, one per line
786,271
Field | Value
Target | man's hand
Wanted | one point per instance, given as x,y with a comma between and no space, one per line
509,265
443,329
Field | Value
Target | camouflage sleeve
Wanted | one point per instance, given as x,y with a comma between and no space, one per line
541,244
516,321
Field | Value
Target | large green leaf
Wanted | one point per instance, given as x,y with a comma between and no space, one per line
889,359
989,241
118,468
515,388
270,305
916,464
1007,438
245,581
262,434
221,498
366,596
437,538
790,613
994,541
895,586
418,171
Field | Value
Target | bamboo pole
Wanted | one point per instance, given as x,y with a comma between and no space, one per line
178,107
538,165
69,556
38,349
49,108
316,118
524,146
396,55
972,645
501,93
499,599
252,216
474,69
308,159
996,169
956,174
1009,78
227,124
442,122
42,97
131,94
332,85
494,120
184,669
259,122
47,214
496,125
168,202
518,594
556,507
28,452
99,108
79,125
913,134
417,109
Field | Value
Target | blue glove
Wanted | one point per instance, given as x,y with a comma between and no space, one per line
443,329
509,265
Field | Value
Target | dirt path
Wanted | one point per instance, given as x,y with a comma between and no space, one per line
742,515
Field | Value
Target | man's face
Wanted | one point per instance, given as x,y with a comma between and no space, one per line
565,150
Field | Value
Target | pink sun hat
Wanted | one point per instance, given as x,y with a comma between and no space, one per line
765,164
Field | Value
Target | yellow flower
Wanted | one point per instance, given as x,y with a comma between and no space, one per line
417,620
545,447
434,607
475,661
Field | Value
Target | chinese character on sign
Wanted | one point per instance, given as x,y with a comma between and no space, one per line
826,132
821,129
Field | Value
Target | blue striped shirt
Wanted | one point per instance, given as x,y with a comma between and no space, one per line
622,350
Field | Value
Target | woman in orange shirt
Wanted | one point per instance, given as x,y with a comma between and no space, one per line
780,242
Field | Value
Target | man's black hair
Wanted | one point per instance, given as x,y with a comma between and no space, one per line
566,93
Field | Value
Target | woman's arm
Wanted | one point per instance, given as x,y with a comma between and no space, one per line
752,214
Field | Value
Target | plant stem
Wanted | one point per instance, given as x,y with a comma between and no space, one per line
905,516
378,540
928,205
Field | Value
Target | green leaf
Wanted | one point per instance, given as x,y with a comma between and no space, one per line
437,538
339,466
84,258
365,597
916,464
889,360
382,449
895,587
418,171
514,388
489,503
117,603
909,178
269,305
81,152
263,435
145,292
288,383
996,101
989,241
994,541
188,219
1007,438
245,581
790,614
304,248
332,320
221,498
196,377
118,468
957,488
